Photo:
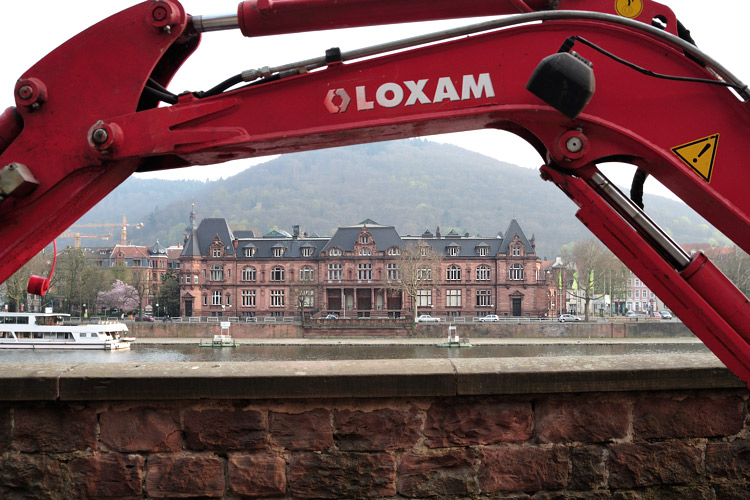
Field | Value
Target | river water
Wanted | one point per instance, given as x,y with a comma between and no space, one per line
191,353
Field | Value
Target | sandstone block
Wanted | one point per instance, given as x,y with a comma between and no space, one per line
140,429
32,476
257,475
450,475
648,464
661,418
729,460
54,429
342,475
474,424
109,475
184,477
310,430
588,470
581,420
224,430
384,429
523,468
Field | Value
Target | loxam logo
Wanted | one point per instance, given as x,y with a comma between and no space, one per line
390,95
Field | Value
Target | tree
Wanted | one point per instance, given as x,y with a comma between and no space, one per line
16,285
169,294
121,296
76,282
419,270
736,267
302,291
590,262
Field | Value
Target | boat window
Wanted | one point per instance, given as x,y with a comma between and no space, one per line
37,335
23,320
9,320
5,335
83,334
24,335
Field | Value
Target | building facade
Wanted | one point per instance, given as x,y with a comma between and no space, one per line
354,273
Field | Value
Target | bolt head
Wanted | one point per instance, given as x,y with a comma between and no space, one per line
574,144
100,136
25,92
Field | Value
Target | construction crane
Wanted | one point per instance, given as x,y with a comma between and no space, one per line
113,226
77,237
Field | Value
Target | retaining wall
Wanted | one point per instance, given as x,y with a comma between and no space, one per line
382,329
628,428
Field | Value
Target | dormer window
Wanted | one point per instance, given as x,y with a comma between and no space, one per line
482,251
365,251
334,252
364,239
216,252
515,251
250,252
278,251
307,251
394,251
453,250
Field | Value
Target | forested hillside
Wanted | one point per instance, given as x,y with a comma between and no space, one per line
412,184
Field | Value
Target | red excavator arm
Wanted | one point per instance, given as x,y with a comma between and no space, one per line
96,110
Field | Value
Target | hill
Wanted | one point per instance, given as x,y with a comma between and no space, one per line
412,184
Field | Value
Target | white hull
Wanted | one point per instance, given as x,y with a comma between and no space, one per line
49,331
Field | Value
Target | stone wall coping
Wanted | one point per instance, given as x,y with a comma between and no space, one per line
360,378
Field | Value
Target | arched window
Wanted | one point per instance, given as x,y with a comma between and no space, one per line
277,273
394,251
217,272
306,274
453,273
484,273
516,272
334,252
248,274
364,251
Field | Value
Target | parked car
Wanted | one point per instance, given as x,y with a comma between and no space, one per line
145,317
665,315
490,318
633,314
331,316
426,318
568,317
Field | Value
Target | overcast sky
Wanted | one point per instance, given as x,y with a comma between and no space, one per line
33,28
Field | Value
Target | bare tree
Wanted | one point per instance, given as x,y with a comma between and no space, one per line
589,261
419,271
736,267
302,290
16,285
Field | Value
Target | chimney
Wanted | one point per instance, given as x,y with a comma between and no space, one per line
437,232
295,231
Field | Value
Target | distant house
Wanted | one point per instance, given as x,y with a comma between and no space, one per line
236,273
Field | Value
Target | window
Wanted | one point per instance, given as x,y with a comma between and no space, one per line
424,250
334,252
217,272
334,272
136,262
277,273
277,298
248,298
453,250
424,274
229,299
250,252
515,251
248,274
205,300
484,273
196,279
394,251
364,239
453,298
307,251
482,251
364,251
187,279
636,282
424,298
306,274
307,297
216,298
516,272
364,272
216,252
484,298
278,251
453,273
394,274
637,294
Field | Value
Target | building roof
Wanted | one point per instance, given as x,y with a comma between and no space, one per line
203,236
514,229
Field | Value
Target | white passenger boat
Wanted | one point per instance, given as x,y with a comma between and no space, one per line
55,331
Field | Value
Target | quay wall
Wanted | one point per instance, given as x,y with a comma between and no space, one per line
608,427
354,328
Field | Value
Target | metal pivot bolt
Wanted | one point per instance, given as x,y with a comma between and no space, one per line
572,145
104,137
100,136
163,14
31,93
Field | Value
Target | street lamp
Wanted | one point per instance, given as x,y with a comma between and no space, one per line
85,311
157,309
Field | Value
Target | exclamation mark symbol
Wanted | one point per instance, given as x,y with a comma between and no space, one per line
705,148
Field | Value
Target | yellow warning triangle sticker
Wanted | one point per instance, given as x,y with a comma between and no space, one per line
699,155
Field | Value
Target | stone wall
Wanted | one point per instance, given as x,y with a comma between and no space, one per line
644,427
377,328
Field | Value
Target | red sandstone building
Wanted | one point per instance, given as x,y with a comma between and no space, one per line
237,274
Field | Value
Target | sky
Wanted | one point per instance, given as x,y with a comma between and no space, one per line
718,27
